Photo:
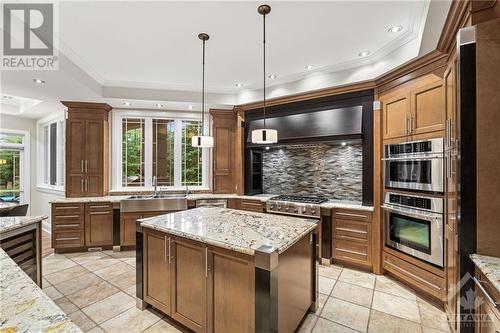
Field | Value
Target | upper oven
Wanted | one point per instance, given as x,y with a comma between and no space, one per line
416,165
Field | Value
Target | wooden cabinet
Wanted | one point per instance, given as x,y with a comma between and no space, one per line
486,311
414,109
128,225
189,284
87,156
157,269
351,237
68,226
98,224
224,126
251,205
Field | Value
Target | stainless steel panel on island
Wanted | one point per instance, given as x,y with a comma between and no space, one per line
216,269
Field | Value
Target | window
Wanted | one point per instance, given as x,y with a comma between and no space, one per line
157,144
51,138
14,166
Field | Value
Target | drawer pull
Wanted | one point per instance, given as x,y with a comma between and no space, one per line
67,238
352,252
99,213
488,297
352,230
67,225
67,216
68,207
352,215
100,206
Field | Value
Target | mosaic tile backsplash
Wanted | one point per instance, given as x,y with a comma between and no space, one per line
333,171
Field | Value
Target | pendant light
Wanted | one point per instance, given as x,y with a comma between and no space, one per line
265,135
203,141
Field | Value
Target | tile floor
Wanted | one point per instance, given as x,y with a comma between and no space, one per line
97,291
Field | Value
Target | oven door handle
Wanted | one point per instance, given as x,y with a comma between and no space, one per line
426,158
412,213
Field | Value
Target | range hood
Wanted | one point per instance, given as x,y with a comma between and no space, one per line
318,126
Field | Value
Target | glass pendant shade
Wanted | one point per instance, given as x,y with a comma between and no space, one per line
264,136
202,141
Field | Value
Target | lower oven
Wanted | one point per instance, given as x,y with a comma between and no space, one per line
415,225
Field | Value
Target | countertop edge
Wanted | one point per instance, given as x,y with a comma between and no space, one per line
489,266
22,222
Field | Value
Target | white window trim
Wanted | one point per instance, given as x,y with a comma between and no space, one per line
116,149
25,175
53,189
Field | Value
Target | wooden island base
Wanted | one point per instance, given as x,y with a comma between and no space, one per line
212,289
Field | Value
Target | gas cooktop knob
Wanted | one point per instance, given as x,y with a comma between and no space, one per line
296,210
287,209
313,211
304,210
279,207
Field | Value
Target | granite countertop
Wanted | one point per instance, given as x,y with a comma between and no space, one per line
6,206
232,229
24,307
200,196
489,266
8,223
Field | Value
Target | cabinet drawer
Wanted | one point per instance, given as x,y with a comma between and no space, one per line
352,251
251,205
351,214
414,275
346,229
68,239
65,222
67,209
99,206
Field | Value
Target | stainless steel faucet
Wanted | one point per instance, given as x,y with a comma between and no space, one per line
155,185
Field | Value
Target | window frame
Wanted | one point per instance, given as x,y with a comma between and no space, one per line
24,160
43,147
117,115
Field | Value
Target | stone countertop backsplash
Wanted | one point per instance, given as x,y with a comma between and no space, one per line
489,266
235,230
25,307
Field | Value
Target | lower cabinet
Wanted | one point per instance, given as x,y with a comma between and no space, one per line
128,225
99,224
487,314
206,289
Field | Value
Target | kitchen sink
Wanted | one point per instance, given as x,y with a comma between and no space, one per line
151,203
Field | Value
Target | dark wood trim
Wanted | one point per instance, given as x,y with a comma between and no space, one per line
484,10
457,18
87,105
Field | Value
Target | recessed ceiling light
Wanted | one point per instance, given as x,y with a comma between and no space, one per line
190,107
272,76
127,103
239,84
267,148
39,81
344,143
159,105
309,67
364,53
6,97
396,28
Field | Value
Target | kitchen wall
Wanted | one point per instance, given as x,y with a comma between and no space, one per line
332,171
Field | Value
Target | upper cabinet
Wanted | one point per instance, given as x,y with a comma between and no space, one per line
224,128
413,109
87,149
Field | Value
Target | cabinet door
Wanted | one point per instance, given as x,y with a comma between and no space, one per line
450,106
98,224
395,117
427,108
75,146
127,228
223,162
94,146
157,270
489,321
75,185
93,185
189,284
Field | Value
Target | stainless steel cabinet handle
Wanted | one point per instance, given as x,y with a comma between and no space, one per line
452,143
206,261
66,216
169,250
406,124
352,215
86,185
101,206
165,242
81,165
67,238
81,184
411,124
488,297
86,165
99,213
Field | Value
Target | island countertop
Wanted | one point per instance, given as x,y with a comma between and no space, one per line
489,266
14,222
25,307
236,230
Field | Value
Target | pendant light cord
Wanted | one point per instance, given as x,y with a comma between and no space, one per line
264,76
203,93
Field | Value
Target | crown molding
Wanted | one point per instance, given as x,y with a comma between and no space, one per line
458,17
87,105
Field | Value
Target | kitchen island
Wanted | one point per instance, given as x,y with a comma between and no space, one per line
224,270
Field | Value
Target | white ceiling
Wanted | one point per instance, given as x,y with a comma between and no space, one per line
149,53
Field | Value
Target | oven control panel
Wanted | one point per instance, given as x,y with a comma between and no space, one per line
292,208
427,203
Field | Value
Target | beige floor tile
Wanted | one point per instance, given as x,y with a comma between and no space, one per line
426,329
66,305
72,255
130,261
329,271
114,270
97,329
384,323
54,256
359,278
98,263
109,307
433,317
353,293
124,281
53,293
123,254
327,326
347,314
131,291
322,298
89,257
396,306
56,265
82,321
162,327
92,294
45,283
66,274
388,285
326,285
308,324
70,286
132,320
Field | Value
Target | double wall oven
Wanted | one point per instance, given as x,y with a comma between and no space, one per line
413,203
